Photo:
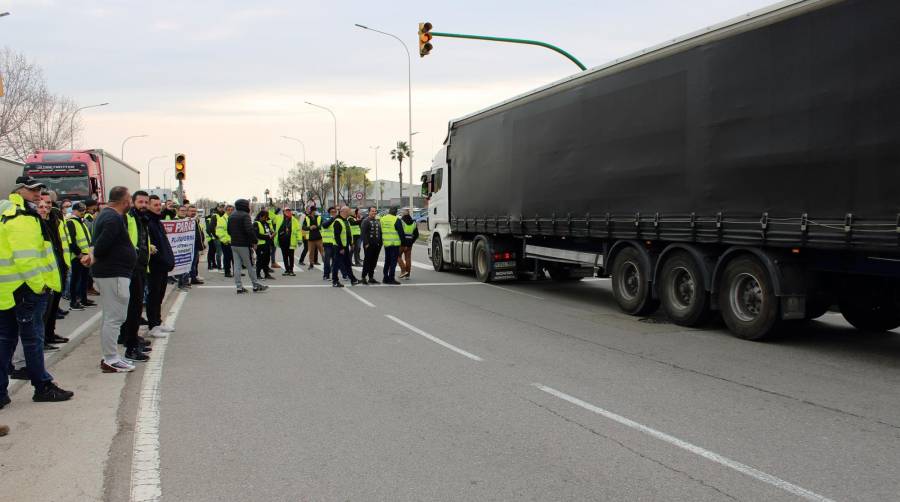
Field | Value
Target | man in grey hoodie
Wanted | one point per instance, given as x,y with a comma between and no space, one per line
243,239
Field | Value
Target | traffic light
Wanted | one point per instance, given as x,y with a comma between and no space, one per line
425,39
180,170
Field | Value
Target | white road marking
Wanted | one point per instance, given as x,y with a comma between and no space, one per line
361,299
595,279
405,285
84,327
434,338
416,264
709,455
514,291
145,480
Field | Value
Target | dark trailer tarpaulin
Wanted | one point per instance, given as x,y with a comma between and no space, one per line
787,133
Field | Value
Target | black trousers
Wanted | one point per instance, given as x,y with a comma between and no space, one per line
227,258
303,253
370,261
262,260
340,264
156,286
211,255
128,334
288,254
52,310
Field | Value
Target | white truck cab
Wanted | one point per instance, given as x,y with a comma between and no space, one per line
435,185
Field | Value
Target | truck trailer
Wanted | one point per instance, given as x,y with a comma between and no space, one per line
79,175
749,169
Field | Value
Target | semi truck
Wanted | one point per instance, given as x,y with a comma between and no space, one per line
748,170
79,175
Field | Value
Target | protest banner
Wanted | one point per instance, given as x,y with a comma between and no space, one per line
181,238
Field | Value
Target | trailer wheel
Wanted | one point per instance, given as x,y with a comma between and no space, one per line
747,299
631,285
481,261
870,305
437,254
681,290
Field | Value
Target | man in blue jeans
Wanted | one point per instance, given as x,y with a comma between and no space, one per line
28,274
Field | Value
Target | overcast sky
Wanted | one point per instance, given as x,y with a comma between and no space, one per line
221,81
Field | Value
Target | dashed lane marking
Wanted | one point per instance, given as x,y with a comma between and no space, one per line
684,445
361,299
434,339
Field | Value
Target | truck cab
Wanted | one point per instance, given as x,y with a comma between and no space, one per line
73,175
435,187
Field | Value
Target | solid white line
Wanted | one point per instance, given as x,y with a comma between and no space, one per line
405,285
514,291
83,328
145,480
271,286
709,455
434,338
595,279
361,299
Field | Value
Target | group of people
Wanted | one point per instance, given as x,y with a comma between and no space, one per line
338,237
50,250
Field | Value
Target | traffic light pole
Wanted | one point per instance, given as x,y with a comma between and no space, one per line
512,41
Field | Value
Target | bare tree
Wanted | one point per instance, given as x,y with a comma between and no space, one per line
23,84
49,126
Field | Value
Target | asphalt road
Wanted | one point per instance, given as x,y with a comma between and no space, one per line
454,390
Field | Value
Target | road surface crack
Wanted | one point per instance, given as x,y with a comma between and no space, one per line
630,449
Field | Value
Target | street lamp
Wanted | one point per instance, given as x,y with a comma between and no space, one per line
148,167
166,178
72,122
334,176
409,84
375,148
122,152
301,144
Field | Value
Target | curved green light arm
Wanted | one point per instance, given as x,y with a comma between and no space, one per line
512,41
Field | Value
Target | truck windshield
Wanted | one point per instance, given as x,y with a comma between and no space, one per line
68,187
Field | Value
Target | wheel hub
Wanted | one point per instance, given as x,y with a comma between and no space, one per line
746,297
683,287
631,280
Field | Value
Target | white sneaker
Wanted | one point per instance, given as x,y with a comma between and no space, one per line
166,329
158,333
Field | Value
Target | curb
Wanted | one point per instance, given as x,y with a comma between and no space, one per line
76,338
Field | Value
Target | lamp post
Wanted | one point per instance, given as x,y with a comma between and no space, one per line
72,122
148,167
409,88
303,146
375,148
335,174
122,152
165,177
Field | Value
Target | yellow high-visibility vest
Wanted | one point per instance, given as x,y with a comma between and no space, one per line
389,235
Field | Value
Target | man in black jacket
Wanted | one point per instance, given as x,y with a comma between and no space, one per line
80,246
370,230
136,225
56,221
113,259
343,249
243,239
162,261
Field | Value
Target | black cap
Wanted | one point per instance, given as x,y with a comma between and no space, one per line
29,183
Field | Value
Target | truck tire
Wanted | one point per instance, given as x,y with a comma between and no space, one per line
870,305
681,290
437,254
747,299
631,285
482,262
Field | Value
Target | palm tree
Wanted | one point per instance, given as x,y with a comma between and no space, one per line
401,152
